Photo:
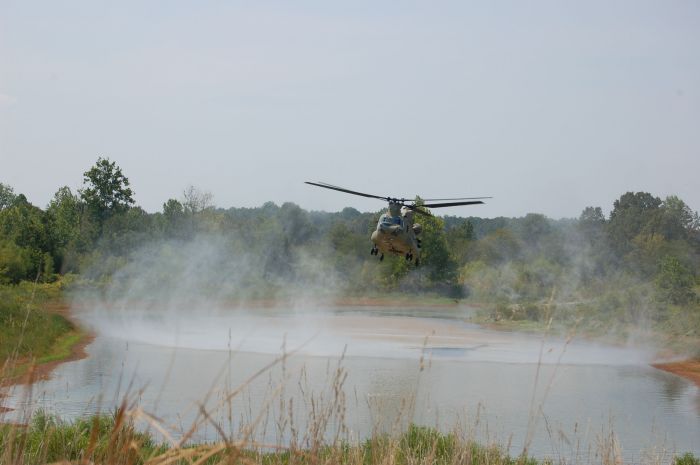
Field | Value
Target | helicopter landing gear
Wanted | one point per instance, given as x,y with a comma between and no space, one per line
381,258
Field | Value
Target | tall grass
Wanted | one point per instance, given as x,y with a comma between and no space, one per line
28,332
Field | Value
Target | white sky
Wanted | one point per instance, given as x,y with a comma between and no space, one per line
547,106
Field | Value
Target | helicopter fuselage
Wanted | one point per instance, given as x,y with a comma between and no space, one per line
396,234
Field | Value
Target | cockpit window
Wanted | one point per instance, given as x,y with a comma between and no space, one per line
391,220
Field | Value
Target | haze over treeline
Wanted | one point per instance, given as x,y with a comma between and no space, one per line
639,264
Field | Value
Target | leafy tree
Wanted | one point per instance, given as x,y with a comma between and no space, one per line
26,226
459,239
106,192
499,247
632,214
678,221
64,212
124,233
674,282
70,229
592,223
173,209
174,218
435,254
295,223
7,196
15,262
534,228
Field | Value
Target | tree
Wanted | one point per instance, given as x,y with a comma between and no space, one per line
196,200
64,215
498,247
107,190
70,230
7,196
435,254
674,282
172,209
632,214
174,215
459,239
534,228
295,223
15,262
27,227
678,221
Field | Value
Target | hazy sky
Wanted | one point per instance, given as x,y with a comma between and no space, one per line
547,106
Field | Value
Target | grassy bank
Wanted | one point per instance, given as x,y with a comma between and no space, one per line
676,336
114,440
33,329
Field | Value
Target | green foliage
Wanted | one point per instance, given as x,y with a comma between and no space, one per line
632,214
499,247
14,262
435,254
420,442
7,196
674,282
686,459
26,329
106,192
113,439
71,229
27,227
96,439
678,221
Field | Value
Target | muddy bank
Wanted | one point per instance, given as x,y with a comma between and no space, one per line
689,369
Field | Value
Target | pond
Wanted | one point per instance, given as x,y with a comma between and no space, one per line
352,371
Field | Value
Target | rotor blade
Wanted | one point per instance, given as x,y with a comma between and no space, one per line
336,188
451,204
458,198
417,209
422,212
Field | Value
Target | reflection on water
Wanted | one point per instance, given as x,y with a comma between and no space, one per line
461,375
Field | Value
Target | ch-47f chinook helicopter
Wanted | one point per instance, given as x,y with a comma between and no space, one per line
396,232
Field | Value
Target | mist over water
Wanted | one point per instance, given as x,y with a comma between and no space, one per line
209,293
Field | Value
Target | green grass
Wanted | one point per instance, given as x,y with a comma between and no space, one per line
28,331
113,439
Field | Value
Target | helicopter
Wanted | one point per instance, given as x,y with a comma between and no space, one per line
396,232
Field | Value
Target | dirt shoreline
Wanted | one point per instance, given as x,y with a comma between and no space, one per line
688,369
392,301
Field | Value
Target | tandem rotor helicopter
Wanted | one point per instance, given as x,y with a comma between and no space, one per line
396,232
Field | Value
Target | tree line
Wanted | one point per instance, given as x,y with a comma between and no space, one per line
642,260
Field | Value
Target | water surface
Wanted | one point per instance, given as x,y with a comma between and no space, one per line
393,365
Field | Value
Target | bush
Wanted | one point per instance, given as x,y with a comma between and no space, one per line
687,459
